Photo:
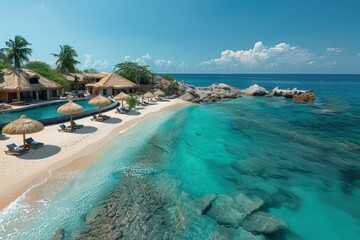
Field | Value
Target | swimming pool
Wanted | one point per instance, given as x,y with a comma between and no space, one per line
39,112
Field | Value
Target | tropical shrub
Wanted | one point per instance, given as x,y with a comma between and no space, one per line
46,71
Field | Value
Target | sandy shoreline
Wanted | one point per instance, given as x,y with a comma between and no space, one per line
64,151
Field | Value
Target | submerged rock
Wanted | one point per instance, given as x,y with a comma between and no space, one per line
233,210
255,90
228,233
204,204
263,223
258,167
59,234
133,210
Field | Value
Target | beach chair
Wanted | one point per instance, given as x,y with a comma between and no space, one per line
76,126
97,119
13,149
121,111
31,143
104,116
63,128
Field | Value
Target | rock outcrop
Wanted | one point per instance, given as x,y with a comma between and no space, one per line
305,97
254,90
300,96
209,94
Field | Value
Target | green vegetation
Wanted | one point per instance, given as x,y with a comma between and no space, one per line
4,65
46,71
90,70
134,72
133,102
17,51
66,61
168,77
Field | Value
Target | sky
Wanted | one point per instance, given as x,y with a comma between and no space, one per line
193,36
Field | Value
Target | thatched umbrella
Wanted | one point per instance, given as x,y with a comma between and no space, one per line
123,97
70,108
149,95
159,94
100,101
23,125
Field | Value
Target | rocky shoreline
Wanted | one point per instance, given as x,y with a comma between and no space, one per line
221,91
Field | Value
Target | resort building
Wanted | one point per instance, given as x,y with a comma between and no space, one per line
111,84
25,85
83,79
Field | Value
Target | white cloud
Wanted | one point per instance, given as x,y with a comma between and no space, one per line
271,65
312,63
334,50
262,56
164,63
358,54
91,62
331,63
160,65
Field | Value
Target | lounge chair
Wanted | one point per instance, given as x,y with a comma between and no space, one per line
15,150
97,119
31,143
76,126
63,128
121,111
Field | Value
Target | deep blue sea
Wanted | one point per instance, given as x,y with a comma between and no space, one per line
296,163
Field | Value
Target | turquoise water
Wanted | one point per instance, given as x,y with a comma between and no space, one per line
41,112
301,160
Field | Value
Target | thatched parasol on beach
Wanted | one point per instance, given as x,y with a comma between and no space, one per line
149,95
123,97
23,125
70,108
159,93
100,101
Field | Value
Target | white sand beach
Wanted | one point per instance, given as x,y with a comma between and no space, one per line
17,174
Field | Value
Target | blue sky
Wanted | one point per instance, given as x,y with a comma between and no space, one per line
194,36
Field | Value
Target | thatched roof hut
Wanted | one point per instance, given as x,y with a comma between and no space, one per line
25,80
114,81
112,84
25,84
85,77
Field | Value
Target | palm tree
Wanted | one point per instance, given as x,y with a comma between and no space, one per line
66,60
17,51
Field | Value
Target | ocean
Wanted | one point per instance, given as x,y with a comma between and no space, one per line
209,171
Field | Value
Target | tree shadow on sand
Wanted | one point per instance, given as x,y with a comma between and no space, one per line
3,137
133,113
113,120
40,153
85,130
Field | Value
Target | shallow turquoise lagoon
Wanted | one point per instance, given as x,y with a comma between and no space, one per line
41,112
300,160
